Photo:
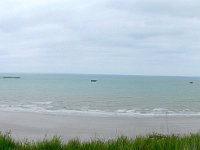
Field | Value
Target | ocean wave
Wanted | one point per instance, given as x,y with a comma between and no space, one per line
43,103
96,112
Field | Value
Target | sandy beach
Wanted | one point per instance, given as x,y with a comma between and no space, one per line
35,126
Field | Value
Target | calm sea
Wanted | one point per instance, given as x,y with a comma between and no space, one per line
110,95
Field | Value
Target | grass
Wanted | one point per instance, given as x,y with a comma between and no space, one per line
150,142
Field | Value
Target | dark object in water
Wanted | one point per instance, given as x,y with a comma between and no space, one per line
11,77
93,80
191,82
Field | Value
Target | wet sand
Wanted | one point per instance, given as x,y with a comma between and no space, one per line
35,126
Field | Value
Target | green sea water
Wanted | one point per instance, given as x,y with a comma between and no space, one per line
110,95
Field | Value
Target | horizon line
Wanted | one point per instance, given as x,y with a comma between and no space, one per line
109,74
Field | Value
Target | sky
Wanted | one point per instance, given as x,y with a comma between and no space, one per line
134,37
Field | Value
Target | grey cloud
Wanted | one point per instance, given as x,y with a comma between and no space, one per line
181,8
100,36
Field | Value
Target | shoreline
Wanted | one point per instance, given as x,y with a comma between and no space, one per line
37,126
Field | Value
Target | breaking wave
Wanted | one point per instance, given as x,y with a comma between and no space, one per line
45,107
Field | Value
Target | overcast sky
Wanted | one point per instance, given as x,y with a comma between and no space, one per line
147,37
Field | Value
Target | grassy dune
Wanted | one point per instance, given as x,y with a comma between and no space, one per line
151,142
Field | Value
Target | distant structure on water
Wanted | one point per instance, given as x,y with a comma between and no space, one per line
8,77
93,80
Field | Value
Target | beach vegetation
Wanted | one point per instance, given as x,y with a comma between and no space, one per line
149,142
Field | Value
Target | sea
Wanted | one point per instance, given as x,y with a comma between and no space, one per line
106,95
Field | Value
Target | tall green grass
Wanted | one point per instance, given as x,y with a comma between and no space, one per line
150,142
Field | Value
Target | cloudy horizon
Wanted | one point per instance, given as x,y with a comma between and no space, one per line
135,37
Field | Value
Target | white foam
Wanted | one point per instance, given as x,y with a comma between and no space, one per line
121,112
43,103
